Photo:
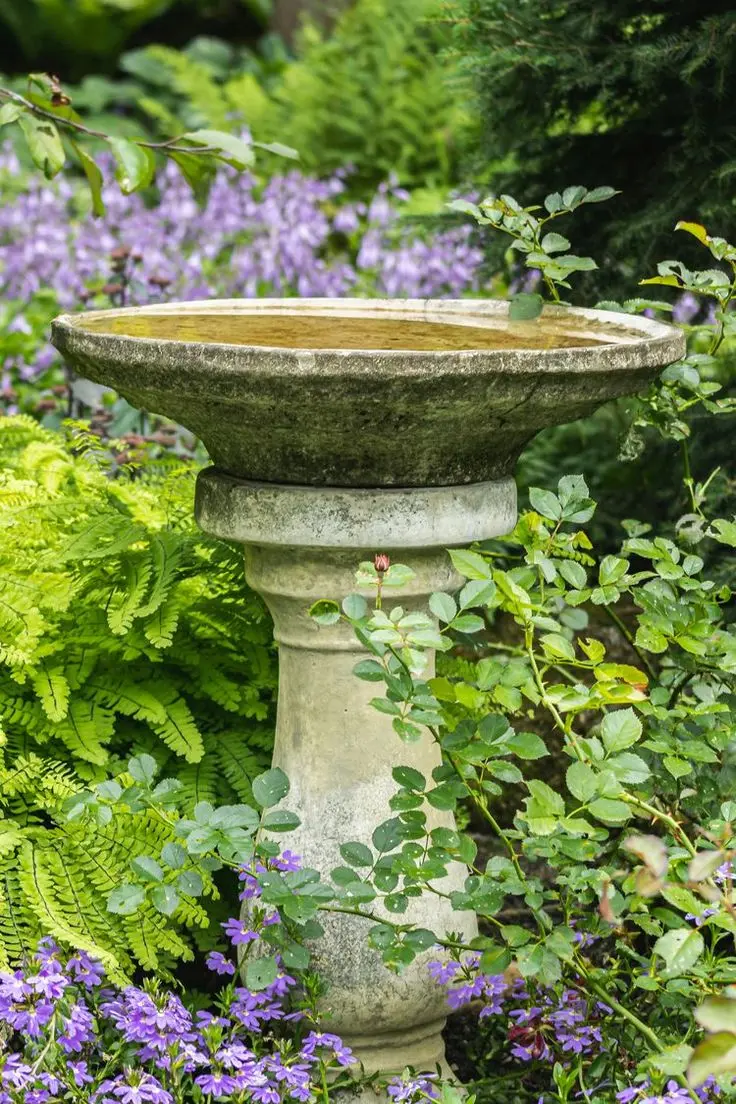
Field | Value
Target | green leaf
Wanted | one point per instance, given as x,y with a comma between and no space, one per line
190,883
525,306
325,612
388,835
554,243
468,623
556,646
574,196
260,973
410,779
278,148
280,820
723,531
420,939
548,801
134,165
164,898
94,176
270,787
355,607
109,790
678,768
295,957
599,195
126,899
477,592
680,949
526,745
582,781
470,564
612,569
197,170
143,768
9,113
369,670
398,575
443,607
545,503
629,768
356,854
236,151
44,144
620,729
147,868
233,816
609,811
573,573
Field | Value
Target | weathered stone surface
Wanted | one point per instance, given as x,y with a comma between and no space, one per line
381,422
338,752
339,517
369,417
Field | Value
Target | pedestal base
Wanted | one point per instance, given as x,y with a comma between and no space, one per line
304,544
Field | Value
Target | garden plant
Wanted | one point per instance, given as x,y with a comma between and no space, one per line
583,703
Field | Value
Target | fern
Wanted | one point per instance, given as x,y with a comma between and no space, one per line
122,630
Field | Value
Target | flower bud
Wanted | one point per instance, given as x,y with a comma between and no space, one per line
381,562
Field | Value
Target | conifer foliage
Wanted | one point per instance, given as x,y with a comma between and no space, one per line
638,93
123,631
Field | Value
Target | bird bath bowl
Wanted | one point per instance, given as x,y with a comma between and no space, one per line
339,429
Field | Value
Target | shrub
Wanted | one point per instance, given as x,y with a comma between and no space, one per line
642,89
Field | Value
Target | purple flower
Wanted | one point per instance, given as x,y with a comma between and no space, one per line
407,1090
238,932
217,962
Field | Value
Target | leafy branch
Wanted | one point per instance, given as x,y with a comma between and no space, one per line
52,130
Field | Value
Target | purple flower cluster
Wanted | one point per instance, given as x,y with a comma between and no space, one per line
672,1093
70,1032
293,235
542,1025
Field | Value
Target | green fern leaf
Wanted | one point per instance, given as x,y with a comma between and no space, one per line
53,692
85,730
127,601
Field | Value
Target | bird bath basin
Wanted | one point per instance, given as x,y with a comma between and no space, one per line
339,429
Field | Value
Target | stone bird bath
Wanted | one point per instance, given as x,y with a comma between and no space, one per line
339,429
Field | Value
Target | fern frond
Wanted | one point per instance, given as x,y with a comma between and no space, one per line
238,762
53,692
85,729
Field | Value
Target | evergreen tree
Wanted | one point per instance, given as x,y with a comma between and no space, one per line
637,94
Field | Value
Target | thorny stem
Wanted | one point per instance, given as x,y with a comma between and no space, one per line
658,814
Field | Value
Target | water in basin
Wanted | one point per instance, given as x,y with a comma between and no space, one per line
322,331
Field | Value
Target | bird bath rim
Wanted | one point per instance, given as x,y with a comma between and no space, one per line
363,417
645,340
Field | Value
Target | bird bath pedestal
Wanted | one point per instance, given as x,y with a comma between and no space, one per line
339,429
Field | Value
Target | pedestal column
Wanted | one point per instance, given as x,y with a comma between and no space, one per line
303,544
